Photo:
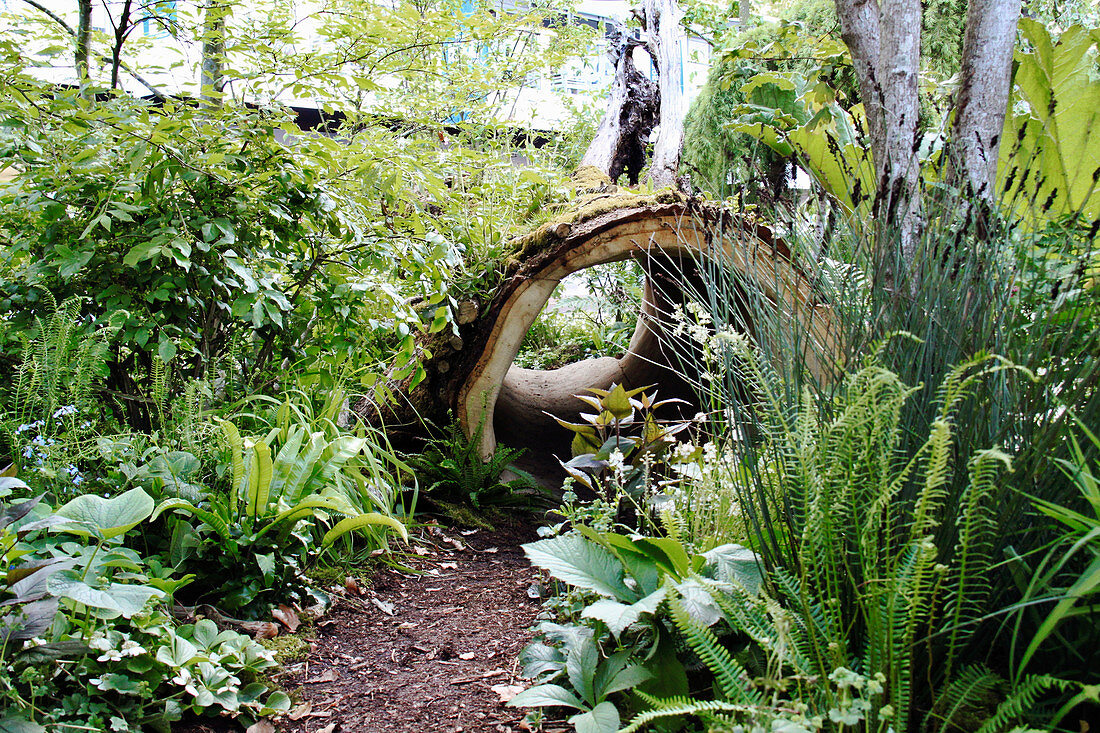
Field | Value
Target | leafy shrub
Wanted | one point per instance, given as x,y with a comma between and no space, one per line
84,639
248,542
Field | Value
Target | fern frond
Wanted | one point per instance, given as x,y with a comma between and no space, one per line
1020,701
680,707
733,681
974,686
977,529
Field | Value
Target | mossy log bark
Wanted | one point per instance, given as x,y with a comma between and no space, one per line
472,376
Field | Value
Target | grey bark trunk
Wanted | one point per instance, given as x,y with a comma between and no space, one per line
213,51
83,40
620,142
885,45
985,84
662,24
744,9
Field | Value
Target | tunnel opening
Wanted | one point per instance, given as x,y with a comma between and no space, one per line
530,398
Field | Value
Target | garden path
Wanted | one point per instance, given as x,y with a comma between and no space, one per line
403,653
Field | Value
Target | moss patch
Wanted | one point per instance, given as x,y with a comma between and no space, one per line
288,648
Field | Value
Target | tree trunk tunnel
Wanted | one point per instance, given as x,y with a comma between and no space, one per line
529,399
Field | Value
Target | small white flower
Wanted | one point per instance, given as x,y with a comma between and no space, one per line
65,410
616,460
131,648
100,643
111,655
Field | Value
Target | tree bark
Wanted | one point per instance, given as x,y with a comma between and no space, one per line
621,139
83,40
664,37
744,10
986,81
122,30
212,77
885,45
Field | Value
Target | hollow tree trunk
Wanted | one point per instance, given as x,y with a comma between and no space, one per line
471,377
620,142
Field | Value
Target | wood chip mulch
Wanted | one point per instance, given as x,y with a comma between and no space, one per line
401,653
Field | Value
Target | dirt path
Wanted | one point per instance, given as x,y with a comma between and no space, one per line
405,653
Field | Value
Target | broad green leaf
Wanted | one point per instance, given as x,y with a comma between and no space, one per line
546,696
350,524
123,599
259,481
14,724
212,520
109,517
179,653
669,554
628,678
604,718
581,660
618,403
698,602
1057,139
575,560
734,563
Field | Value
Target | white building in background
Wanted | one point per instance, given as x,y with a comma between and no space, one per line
170,63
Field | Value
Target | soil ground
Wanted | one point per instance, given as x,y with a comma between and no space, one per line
433,651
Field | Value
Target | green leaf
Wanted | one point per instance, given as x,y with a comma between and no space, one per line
543,696
124,600
620,616
259,481
618,403
575,560
166,350
350,524
108,517
13,724
581,659
139,253
736,564
212,520
604,718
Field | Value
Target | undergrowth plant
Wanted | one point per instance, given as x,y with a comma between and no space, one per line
451,471
871,586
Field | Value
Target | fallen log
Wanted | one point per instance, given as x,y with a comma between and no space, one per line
471,376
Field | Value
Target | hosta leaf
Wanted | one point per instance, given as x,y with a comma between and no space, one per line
27,621
107,517
124,600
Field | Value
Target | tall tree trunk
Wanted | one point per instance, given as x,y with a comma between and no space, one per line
986,81
662,23
213,51
744,10
83,40
885,45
